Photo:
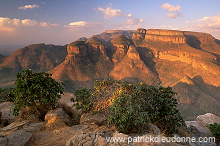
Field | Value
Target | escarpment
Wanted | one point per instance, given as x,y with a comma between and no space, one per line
169,36
187,61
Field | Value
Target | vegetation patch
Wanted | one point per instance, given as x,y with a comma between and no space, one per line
130,107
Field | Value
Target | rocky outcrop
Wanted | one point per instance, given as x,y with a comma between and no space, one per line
200,128
18,133
169,36
6,112
120,46
133,69
208,119
84,62
139,34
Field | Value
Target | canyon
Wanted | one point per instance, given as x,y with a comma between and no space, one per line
189,62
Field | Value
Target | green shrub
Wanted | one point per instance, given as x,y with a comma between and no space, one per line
130,107
37,91
215,129
83,100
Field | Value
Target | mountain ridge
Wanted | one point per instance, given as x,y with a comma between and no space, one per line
187,61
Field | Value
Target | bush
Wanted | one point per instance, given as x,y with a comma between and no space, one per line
215,129
37,91
130,107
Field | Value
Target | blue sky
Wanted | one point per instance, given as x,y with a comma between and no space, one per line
24,22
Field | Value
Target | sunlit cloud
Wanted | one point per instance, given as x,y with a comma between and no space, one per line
135,21
110,12
206,24
28,7
173,15
7,22
174,11
79,23
129,15
171,8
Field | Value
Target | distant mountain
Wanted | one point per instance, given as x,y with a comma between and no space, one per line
37,57
187,61
1,58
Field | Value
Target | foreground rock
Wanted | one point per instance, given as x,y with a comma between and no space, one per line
208,119
6,110
200,128
18,133
94,118
57,118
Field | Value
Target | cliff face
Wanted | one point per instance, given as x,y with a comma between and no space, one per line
169,36
132,68
120,46
84,62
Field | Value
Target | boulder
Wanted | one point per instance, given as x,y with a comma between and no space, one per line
89,138
6,110
18,138
57,117
154,129
208,119
93,118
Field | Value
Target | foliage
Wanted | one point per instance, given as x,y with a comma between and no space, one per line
215,129
131,107
7,94
36,90
83,100
140,104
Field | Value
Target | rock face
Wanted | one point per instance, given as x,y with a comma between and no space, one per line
84,62
169,36
139,34
133,69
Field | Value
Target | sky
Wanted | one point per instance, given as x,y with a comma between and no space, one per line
59,22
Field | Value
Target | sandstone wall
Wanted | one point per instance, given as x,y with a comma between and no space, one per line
171,36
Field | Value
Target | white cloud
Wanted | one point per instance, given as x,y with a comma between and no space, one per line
28,7
79,23
135,21
171,8
109,12
206,24
7,24
173,15
129,15
174,11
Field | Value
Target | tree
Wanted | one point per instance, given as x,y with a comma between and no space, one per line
131,107
38,91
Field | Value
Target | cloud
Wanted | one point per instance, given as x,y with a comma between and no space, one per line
129,15
206,24
174,11
109,12
171,8
28,7
79,23
173,15
134,21
10,25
